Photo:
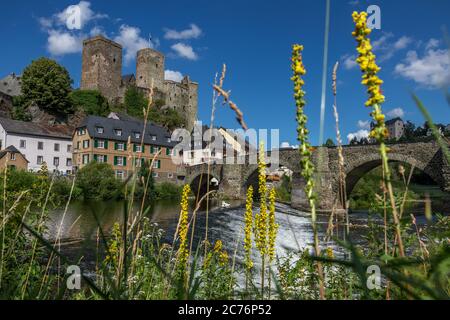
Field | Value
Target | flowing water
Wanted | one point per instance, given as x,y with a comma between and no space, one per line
78,227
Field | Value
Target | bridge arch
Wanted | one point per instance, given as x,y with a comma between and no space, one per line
357,168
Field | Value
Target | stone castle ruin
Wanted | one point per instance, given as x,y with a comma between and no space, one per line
102,71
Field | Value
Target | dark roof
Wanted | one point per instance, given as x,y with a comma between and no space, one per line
35,129
129,128
10,149
394,120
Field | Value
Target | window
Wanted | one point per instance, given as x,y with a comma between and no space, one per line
40,159
23,144
139,162
137,135
155,174
85,158
40,145
85,144
12,156
170,175
56,148
154,150
81,131
118,132
99,129
100,144
120,146
100,158
69,148
68,162
137,148
120,161
153,137
169,140
157,164
120,174
68,172
56,161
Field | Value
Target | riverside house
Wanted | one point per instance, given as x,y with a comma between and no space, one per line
118,143
11,158
39,143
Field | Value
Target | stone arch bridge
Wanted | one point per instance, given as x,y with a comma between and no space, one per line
233,179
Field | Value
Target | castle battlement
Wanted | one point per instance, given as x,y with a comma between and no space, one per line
102,71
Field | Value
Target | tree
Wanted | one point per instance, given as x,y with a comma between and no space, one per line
135,102
410,129
97,181
329,143
47,84
90,101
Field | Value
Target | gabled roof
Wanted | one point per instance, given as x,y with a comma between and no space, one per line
36,129
11,149
394,120
129,128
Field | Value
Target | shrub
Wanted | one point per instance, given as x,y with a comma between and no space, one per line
90,101
98,182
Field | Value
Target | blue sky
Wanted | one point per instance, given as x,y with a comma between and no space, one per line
254,39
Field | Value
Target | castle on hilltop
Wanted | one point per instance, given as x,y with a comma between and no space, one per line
102,71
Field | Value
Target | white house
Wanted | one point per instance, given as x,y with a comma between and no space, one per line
39,144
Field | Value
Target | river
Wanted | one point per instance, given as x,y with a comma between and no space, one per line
78,227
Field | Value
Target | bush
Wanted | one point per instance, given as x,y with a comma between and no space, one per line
98,182
167,191
90,101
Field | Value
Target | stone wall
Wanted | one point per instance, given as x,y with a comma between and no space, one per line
425,156
102,67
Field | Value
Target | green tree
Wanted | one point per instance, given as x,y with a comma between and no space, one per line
90,101
97,181
329,143
47,84
145,181
135,102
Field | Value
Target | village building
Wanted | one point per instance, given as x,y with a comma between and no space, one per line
119,143
224,143
11,158
39,143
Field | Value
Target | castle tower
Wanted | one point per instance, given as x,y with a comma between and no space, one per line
150,64
102,67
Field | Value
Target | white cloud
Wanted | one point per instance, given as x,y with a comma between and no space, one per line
95,31
432,70
61,43
349,61
173,75
432,43
192,33
387,46
64,28
75,17
131,41
397,112
381,43
402,43
358,135
184,51
364,124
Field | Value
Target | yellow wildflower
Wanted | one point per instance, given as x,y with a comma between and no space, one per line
368,66
183,253
273,226
248,228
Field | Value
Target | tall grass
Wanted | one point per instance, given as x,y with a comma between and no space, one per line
135,263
